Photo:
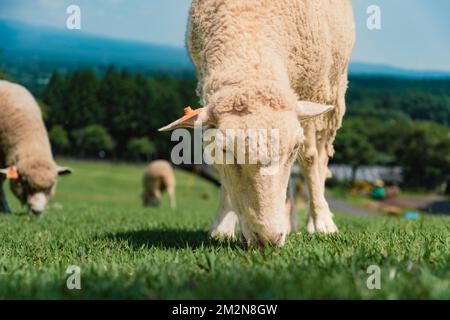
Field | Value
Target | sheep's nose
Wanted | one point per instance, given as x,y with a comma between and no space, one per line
35,212
275,240
37,203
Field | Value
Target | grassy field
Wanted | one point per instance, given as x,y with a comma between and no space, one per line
126,251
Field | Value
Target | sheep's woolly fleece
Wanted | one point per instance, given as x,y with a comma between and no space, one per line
23,137
158,177
264,52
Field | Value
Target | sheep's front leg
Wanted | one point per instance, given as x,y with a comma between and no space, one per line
3,203
171,192
226,219
314,167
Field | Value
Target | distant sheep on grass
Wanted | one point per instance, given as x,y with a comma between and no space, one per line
25,154
158,178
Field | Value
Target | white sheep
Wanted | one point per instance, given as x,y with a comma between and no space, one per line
272,64
158,177
25,153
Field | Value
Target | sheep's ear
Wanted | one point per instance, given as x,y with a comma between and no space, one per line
191,119
63,171
307,110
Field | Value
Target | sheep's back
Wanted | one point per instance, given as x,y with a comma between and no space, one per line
302,46
159,172
302,43
22,131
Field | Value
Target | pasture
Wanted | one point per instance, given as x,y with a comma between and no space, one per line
97,222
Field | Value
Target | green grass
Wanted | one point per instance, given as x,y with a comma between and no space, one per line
125,251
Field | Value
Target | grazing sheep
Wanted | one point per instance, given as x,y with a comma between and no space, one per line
25,152
158,177
272,64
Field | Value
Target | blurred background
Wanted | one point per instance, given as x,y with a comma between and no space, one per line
106,88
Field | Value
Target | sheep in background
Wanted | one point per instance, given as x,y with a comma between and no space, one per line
25,154
158,177
272,64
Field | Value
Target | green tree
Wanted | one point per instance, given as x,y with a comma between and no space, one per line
387,137
80,104
53,97
424,154
59,139
4,76
422,99
140,149
93,140
44,109
354,147
118,94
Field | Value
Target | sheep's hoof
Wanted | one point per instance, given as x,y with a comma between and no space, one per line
321,223
5,209
219,234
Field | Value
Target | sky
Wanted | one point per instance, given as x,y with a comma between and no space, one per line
415,34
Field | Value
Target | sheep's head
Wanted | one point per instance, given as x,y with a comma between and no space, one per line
34,182
254,153
152,198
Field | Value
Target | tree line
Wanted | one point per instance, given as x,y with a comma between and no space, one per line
421,148
115,116
389,121
399,122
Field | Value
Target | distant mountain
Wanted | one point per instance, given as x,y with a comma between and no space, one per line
368,69
26,45
23,41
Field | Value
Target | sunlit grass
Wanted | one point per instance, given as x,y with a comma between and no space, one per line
127,251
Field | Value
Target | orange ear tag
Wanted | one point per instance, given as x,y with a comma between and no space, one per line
12,173
189,113
187,110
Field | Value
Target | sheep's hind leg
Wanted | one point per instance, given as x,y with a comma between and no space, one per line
3,203
290,208
315,170
226,219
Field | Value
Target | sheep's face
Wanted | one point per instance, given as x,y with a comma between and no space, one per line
36,198
36,184
261,148
152,199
